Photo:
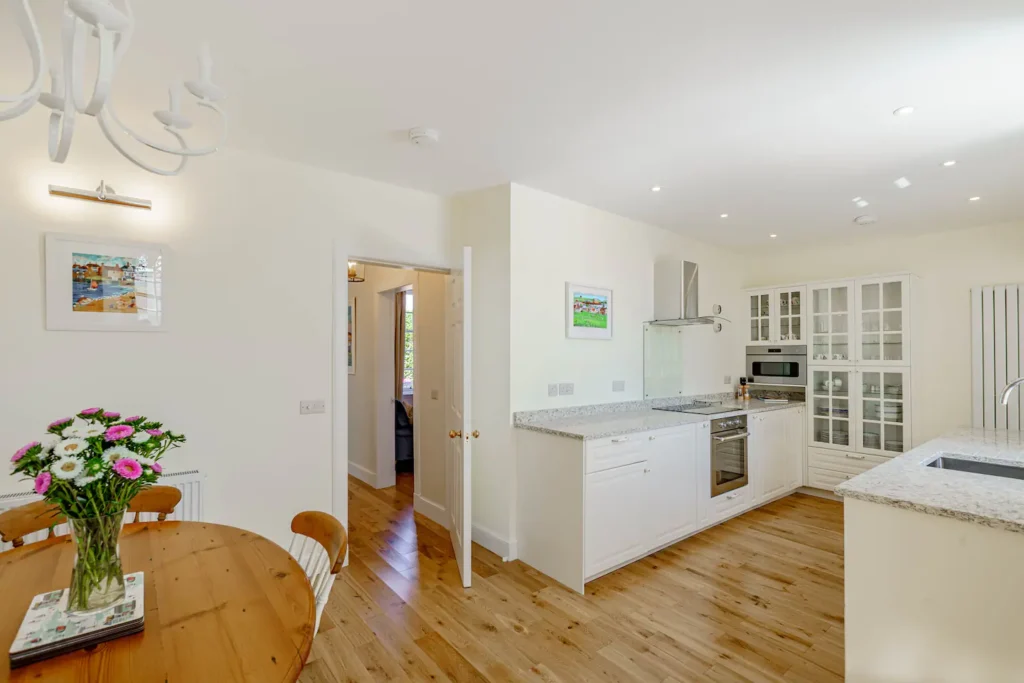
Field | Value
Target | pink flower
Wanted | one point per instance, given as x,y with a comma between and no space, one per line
90,411
43,482
157,467
59,423
155,432
23,451
111,416
118,432
128,468
133,418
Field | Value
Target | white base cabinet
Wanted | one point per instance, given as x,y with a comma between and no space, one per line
588,507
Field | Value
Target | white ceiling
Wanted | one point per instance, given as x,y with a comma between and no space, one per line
777,113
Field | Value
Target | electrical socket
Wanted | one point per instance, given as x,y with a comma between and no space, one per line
618,385
565,389
552,390
312,407
728,379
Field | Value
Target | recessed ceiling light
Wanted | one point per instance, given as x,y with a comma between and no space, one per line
860,202
904,111
724,215
974,199
901,183
773,235
951,162
656,188
865,220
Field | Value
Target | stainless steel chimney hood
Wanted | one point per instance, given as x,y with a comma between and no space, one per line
676,288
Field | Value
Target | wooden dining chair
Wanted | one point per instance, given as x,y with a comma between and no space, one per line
321,560
21,521
156,500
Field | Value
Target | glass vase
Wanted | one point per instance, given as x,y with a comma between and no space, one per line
97,580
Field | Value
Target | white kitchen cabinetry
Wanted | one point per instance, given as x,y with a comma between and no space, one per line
832,326
778,316
588,507
884,321
776,452
865,409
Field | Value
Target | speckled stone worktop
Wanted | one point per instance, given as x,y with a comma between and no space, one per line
598,422
906,482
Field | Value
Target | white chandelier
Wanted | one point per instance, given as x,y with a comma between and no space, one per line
113,28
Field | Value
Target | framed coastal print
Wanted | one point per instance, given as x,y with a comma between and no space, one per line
352,336
104,285
588,312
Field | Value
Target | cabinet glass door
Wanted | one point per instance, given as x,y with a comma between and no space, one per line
831,333
830,397
884,425
761,317
790,315
884,328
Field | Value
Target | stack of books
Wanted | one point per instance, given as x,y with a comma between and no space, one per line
48,631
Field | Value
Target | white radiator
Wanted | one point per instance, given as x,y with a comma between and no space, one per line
190,509
997,354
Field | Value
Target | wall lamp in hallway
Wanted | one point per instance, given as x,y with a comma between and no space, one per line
103,194
356,272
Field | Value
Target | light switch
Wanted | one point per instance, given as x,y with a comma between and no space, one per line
552,390
312,407
728,379
434,394
565,389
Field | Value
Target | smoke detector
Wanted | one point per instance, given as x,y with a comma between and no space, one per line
865,220
423,136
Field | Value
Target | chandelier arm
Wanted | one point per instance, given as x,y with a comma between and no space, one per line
104,118
62,123
104,71
30,32
184,150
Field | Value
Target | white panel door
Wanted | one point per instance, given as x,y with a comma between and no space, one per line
672,485
460,422
617,516
768,453
793,446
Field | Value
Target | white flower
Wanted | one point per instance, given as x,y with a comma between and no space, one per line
67,468
143,460
86,479
70,432
49,441
112,455
89,431
69,447
140,437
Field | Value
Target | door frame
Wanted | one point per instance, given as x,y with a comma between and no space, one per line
341,255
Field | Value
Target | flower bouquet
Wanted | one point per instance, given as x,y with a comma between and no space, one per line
91,466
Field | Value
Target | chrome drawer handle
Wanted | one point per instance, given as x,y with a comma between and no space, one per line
723,439
730,496
620,440
855,457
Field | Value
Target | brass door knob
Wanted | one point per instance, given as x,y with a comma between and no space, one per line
476,433
454,434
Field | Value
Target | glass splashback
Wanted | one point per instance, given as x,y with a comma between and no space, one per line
663,361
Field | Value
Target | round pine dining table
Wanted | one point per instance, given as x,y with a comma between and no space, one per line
222,605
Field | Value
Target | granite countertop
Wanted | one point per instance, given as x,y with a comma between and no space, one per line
905,481
600,425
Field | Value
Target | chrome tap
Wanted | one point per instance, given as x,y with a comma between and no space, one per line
1005,398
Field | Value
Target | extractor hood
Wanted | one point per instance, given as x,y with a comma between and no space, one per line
675,296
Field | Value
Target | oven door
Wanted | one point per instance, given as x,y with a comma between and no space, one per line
777,369
729,462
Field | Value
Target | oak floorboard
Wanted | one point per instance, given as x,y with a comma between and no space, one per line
758,598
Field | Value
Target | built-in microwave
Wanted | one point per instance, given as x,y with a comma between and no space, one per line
777,365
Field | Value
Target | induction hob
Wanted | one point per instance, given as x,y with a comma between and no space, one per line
700,408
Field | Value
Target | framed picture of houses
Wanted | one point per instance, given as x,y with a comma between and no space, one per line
104,285
588,312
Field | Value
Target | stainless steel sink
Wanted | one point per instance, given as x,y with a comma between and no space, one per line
947,462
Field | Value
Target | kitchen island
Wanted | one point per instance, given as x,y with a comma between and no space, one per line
934,558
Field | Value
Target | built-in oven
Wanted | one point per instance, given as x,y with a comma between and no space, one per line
729,461
777,365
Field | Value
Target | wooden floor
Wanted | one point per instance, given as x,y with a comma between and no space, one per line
759,598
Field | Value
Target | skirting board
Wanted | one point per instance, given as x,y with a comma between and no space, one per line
430,510
362,474
496,544
819,493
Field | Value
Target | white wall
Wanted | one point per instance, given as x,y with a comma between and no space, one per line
249,287
369,391
481,220
947,265
554,241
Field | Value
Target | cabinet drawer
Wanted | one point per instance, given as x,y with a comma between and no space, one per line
604,454
842,461
731,503
826,479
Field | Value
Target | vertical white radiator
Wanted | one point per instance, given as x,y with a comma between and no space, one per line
997,354
190,509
